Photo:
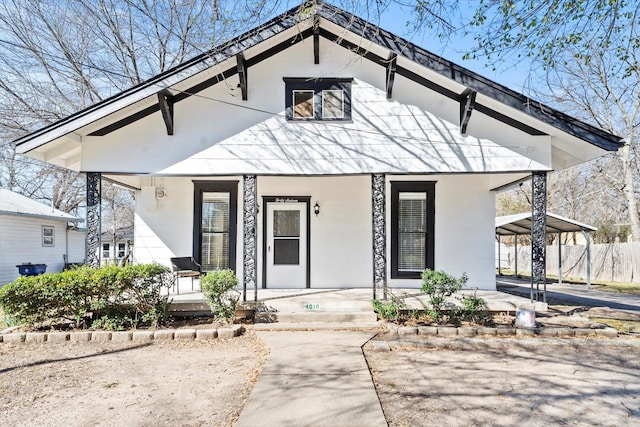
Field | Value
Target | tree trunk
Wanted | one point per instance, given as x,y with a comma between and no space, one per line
629,191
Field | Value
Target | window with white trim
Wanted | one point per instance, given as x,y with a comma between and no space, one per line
48,236
106,253
322,99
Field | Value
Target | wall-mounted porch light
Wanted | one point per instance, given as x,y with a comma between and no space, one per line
316,208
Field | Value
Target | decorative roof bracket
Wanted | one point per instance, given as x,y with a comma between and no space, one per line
165,102
391,72
467,101
242,75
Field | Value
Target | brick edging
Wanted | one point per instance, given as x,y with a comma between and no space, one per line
123,336
449,331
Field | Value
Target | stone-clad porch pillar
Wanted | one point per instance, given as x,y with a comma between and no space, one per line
94,219
250,247
379,226
539,235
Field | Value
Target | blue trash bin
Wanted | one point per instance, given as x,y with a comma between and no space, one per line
32,269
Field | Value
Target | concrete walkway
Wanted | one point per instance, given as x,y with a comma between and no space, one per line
578,294
316,378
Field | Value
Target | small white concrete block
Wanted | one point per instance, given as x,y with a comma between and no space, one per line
121,336
163,334
58,337
407,330
427,330
184,334
206,334
80,336
380,346
100,336
145,336
607,332
14,338
447,331
36,337
467,332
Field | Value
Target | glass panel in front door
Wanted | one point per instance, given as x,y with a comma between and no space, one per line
286,237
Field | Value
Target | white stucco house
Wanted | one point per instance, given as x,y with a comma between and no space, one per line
31,232
318,151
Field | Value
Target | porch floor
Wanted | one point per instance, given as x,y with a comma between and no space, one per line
345,300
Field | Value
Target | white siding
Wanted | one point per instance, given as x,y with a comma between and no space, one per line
21,241
416,132
76,246
341,235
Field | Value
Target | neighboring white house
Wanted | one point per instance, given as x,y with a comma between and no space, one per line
319,151
31,232
115,245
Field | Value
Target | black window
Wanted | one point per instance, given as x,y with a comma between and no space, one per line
318,99
412,228
214,224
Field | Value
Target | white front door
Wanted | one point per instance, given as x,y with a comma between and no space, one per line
286,245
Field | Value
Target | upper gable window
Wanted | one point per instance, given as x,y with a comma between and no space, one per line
318,99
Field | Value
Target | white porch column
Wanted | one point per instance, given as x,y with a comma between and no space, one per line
379,224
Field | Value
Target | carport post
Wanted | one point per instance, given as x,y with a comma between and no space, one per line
587,237
499,258
515,257
560,258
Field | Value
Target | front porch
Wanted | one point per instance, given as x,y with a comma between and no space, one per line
346,305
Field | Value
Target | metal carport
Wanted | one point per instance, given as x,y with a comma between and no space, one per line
518,224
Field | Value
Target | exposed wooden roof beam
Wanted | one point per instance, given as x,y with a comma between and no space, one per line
165,102
242,75
316,39
391,73
467,104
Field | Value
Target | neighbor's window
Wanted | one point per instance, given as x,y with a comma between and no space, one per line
105,250
318,99
48,236
121,250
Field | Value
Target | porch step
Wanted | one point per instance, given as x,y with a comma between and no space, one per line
316,317
319,326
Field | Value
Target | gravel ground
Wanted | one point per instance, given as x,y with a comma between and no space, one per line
198,383
510,382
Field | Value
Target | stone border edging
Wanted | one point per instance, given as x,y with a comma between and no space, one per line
449,331
123,336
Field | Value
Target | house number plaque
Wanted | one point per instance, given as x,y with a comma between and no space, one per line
312,306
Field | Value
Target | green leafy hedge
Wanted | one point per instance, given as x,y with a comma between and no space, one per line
109,297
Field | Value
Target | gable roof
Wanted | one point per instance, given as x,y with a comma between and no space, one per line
313,27
16,204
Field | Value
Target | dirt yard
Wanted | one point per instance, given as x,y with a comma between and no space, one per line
107,384
510,383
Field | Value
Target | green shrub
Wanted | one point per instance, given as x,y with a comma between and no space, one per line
474,309
438,286
391,309
125,296
218,287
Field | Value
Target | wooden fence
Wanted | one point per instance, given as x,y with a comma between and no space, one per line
615,262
